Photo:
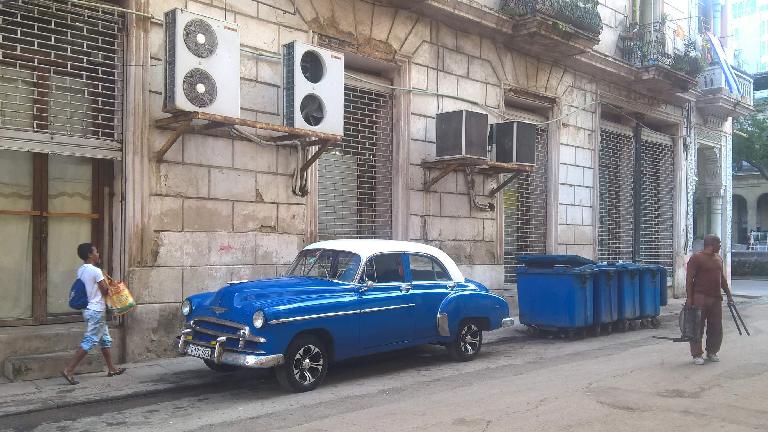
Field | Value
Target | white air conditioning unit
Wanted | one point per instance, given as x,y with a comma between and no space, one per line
314,88
202,64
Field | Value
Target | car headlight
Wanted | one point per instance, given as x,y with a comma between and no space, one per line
258,319
186,307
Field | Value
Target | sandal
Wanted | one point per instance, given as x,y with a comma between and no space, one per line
70,379
119,371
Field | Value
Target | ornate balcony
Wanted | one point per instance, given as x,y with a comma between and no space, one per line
581,14
718,100
666,62
554,28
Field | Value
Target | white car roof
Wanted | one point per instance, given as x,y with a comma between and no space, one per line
368,247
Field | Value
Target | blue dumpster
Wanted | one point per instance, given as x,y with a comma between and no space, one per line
663,284
650,291
629,293
606,305
556,297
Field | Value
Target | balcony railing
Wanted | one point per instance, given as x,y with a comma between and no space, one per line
658,44
580,14
713,78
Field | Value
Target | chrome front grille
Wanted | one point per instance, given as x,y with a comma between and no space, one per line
222,328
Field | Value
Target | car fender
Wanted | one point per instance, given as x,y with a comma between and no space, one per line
470,304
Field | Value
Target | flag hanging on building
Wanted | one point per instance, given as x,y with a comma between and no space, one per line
730,77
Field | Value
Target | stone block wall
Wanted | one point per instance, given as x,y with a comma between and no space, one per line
221,209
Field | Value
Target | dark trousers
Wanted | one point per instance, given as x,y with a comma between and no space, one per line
712,317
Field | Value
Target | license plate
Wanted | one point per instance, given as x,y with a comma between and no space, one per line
199,352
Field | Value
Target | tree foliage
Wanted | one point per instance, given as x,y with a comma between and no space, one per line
750,142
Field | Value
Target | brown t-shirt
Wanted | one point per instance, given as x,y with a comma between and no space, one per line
705,275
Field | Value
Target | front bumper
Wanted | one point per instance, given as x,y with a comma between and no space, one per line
507,322
224,356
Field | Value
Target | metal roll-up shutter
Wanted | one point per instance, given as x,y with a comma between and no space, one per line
657,180
616,173
525,210
61,78
355,176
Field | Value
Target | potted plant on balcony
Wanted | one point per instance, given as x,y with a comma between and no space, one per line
690,61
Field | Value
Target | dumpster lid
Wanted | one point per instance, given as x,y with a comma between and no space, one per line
557,269
553,260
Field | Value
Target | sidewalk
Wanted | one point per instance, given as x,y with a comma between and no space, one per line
157,376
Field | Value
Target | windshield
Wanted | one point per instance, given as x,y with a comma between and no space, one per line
326,264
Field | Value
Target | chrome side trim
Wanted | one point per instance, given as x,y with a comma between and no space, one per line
507,322
335,314
442,325
309,317
379,309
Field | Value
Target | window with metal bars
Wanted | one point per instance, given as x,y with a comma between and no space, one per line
657,165
616,230
525,210
61,68
621,237
355,177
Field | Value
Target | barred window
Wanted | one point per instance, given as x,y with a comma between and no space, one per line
525,210
628,230
355,177
61,68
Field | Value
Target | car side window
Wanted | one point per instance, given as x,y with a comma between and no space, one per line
427,269
385,268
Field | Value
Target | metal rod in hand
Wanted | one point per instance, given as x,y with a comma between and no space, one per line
740,319
733,315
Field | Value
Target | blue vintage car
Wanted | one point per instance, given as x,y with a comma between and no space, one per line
341,299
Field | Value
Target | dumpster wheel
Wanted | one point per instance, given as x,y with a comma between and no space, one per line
607,329
656,322
622,325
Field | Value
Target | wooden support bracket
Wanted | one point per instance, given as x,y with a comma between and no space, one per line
445,171
315,156
200,122
503,184
179,131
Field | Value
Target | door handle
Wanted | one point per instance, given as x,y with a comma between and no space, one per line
405,288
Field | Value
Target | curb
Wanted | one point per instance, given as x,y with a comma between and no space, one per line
48,404
24,407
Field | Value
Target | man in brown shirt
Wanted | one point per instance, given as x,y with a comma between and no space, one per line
705,278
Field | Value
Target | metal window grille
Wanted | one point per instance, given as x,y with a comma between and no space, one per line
525,210
616,233
355,178
616,230
61,68
657,164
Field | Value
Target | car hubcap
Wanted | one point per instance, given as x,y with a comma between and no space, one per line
308,364
470,339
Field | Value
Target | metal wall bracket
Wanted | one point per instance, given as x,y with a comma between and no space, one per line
470,166
205,123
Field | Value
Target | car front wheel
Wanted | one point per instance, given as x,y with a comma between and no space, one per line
305,366
468,342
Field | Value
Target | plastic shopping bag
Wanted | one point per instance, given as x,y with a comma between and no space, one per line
119,299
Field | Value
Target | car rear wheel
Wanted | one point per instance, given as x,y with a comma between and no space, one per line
468,342
305,366
219,367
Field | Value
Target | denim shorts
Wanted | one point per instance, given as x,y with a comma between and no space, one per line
96,330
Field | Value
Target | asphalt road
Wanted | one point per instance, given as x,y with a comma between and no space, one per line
623,382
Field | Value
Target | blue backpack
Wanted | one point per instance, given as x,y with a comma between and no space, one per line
78,296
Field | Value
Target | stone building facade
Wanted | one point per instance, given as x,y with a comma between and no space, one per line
618,140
